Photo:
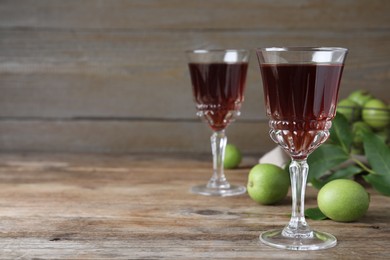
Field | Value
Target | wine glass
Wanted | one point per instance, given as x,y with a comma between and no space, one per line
301,86
218,83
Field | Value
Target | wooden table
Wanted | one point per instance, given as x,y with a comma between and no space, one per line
139,207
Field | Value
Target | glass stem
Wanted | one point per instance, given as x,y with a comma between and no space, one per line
298,227
218,145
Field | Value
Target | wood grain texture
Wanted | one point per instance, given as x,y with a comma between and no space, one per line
116,136
139,207
216,14
107,60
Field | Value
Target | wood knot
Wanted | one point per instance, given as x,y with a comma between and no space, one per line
208,212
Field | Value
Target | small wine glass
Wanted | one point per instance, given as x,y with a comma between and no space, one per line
301,86
218,83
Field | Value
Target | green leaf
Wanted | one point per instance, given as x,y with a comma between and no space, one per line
323,160
315,214
345,173
317,183
341,173
379,182
341,132
378,156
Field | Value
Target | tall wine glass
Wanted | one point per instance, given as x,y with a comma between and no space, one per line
301,86
218,82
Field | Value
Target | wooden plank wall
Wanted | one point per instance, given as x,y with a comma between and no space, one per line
111,76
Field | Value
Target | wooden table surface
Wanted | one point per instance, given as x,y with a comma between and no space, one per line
61,206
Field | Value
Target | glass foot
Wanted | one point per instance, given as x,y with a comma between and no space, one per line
318,240
233,190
